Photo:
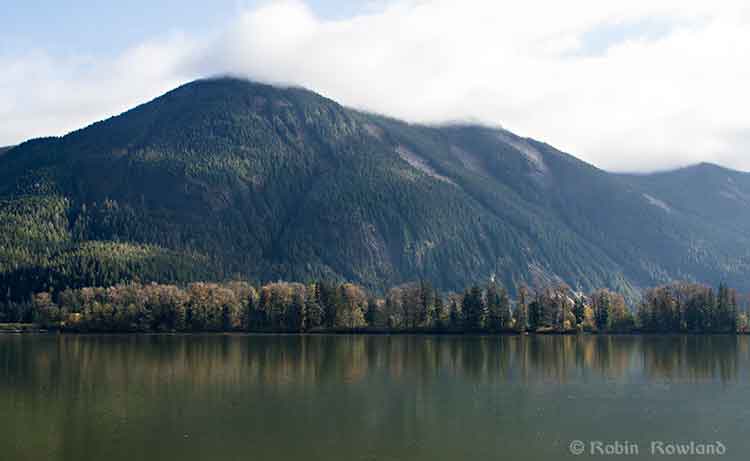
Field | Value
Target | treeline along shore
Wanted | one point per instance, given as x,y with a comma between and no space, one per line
346,307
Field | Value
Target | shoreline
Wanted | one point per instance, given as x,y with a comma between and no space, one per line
19,329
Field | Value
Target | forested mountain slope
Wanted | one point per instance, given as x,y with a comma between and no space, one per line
715,194
224,177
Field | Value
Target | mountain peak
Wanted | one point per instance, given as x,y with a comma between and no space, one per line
707,166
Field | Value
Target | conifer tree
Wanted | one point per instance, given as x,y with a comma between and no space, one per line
495,317
372,313
579,310
474,309
456,316
601,304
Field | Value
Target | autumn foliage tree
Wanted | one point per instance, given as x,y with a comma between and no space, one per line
321,306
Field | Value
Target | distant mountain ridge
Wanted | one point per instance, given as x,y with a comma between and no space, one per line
713,192
225,177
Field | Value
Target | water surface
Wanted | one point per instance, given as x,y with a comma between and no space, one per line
279,397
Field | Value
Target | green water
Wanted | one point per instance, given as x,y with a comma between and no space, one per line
266,397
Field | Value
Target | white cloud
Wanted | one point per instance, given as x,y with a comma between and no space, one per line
44,95
665,86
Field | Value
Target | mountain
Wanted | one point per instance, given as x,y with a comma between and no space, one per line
225,177
710,192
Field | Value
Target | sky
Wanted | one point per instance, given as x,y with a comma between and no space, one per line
626,85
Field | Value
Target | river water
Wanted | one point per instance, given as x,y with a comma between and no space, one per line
339,397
